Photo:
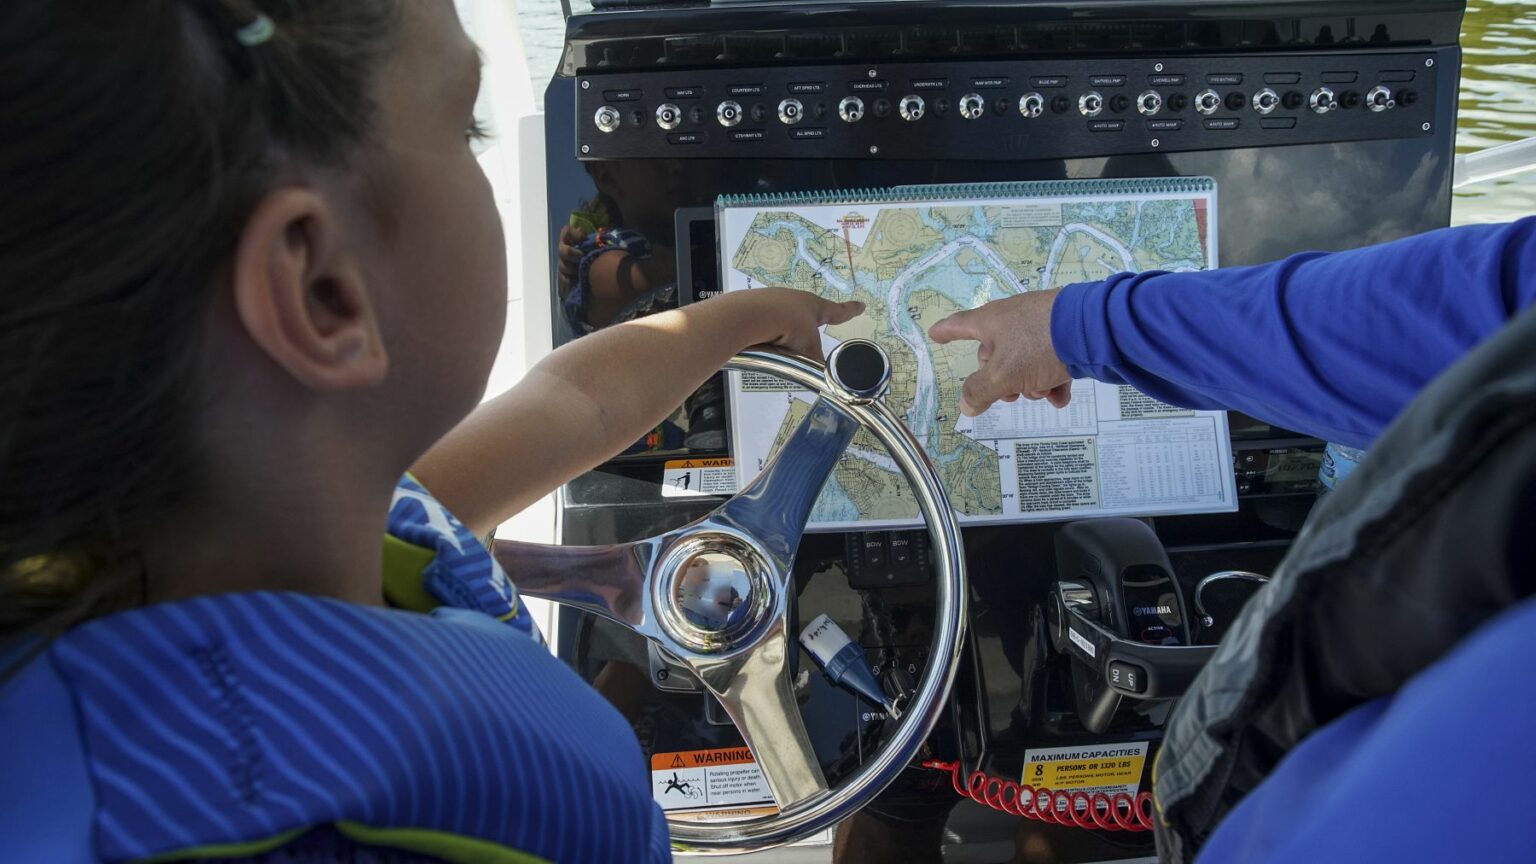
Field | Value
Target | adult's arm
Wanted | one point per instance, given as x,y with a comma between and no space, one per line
1329,344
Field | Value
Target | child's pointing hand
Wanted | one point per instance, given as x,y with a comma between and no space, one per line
796,316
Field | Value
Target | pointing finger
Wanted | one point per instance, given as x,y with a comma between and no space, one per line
1060,395
837,313
961,325
980,391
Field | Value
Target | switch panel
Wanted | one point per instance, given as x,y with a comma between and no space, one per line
886,559
1035,109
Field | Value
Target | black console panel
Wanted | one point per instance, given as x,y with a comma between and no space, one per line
1290,180
1007,110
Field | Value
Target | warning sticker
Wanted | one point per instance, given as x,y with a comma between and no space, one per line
1081,641
681,477
710,785
1110,768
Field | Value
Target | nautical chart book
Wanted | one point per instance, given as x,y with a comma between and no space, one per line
916,254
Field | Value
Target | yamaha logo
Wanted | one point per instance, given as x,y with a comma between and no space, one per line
1152,610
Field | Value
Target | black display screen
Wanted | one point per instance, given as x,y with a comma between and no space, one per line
698,256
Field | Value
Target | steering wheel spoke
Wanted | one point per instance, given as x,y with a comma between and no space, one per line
755,689
610,581
775,506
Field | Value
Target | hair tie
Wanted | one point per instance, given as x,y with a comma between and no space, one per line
258,32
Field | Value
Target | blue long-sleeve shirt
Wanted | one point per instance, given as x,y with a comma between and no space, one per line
1440,771
1328,344
1335,345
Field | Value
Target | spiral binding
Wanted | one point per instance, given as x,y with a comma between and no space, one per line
1096,812
970,191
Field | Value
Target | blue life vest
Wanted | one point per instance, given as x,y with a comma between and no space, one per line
240,721
237,725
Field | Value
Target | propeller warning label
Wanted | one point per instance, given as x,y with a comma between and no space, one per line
717,785
690,477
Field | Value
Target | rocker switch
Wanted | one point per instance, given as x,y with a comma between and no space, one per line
1127,677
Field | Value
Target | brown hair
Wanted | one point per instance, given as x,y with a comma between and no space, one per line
138,138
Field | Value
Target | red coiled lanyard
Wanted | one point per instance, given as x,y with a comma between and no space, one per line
1099,811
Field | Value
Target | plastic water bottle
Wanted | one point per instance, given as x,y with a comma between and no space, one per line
1339,462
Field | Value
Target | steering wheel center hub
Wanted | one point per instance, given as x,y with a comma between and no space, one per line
715,595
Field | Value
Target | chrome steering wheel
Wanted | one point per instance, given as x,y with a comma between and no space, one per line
743,658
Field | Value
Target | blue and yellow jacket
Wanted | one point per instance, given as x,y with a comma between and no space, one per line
248,725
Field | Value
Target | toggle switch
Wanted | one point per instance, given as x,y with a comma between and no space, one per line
1322,100
668,116
607,118
1379,98
1266,101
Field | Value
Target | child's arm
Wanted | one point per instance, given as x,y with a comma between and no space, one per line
593,397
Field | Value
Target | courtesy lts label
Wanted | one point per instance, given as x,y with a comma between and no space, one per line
1107,768
710,785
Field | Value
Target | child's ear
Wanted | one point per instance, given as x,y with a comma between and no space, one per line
302,297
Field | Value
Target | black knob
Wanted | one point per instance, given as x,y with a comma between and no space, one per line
637,117
1060,104
941,106
1178,102
1118,104
1407,97
759,113
1236,101
882,107
819,110
1002,105
1350,99
695,115
1292,100
860,366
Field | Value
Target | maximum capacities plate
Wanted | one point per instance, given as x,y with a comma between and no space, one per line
1001,131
